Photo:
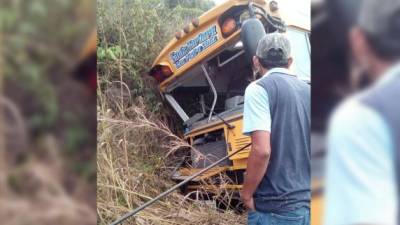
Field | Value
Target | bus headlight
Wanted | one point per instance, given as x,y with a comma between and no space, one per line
160,72
229,26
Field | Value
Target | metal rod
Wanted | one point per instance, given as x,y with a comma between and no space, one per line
230,126
182,114
230,59
251,10
212,88
145,205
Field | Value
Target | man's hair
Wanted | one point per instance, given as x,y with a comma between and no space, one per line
382,48
380,22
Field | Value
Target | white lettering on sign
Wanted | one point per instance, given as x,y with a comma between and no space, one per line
194,47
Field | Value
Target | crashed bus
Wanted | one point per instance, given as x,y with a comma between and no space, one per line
203,73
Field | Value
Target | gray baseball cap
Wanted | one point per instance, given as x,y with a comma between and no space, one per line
274,48
381,20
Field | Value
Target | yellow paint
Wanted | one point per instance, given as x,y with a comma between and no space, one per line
317,203
240,164
205,129
90,46
236,140
211,126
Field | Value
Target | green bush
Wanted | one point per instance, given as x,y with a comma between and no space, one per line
132,33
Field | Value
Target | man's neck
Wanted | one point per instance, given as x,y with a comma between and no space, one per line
263,71
379,69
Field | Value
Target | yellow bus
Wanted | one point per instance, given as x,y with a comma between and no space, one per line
203,73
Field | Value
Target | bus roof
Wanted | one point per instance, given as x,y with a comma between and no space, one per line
206,38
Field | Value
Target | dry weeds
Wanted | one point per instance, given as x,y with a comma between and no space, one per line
134,162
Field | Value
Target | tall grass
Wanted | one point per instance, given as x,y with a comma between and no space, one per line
134,165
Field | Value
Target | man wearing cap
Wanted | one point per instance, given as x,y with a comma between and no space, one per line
276,115
364,133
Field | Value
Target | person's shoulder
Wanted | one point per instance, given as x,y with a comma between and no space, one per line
352,115
253,88
348,109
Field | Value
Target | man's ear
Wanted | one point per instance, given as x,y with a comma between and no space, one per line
290,61
256,62
357,46
360,48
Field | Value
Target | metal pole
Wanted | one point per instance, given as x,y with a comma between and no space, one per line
213,90
140,208
2,127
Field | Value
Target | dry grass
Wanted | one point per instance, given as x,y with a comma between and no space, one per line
134,161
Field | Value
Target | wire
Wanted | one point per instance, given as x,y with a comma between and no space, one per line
165,193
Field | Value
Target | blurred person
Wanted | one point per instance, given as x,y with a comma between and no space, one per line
364,131
47,112
276,115
86,71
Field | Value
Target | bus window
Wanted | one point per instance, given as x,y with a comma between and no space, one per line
301,53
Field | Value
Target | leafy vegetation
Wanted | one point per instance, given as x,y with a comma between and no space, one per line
132,33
